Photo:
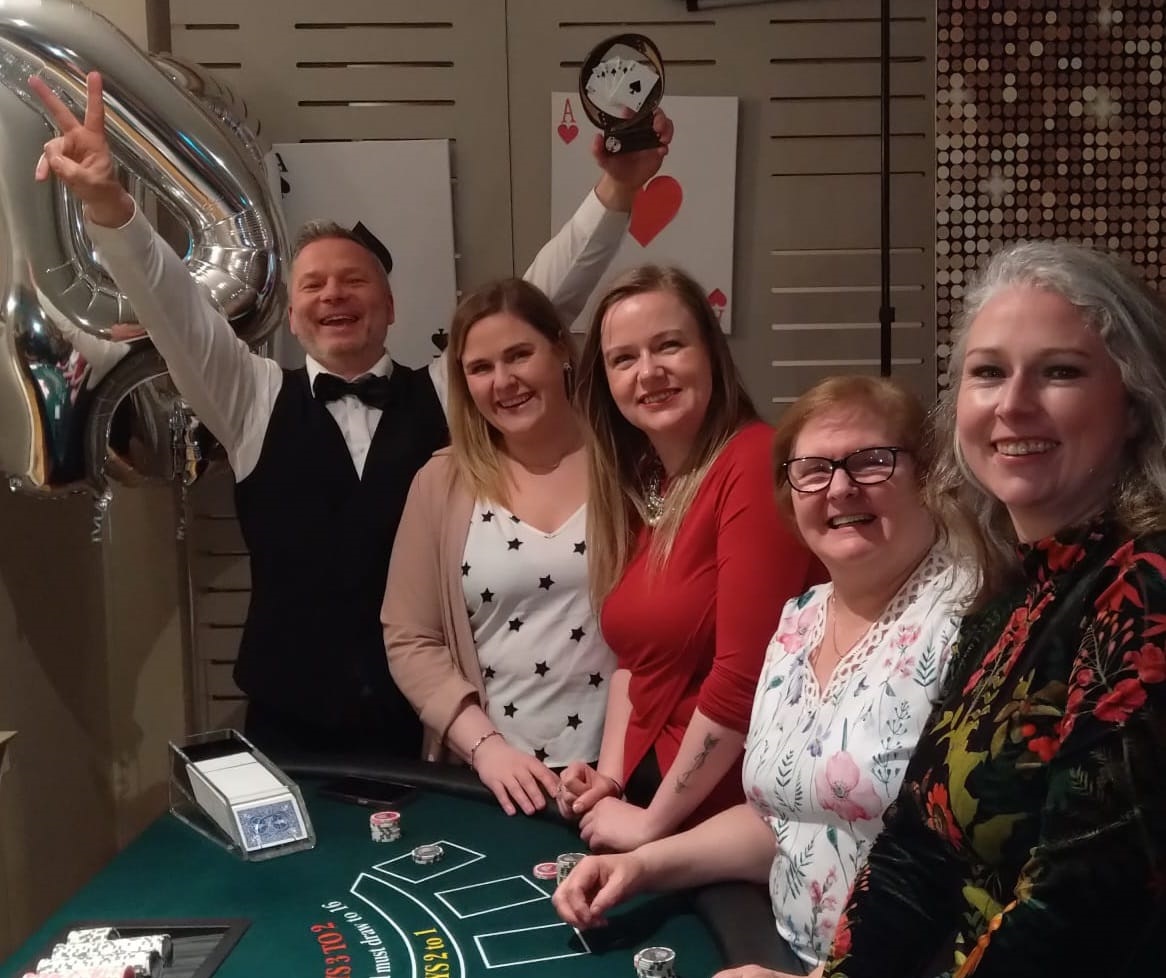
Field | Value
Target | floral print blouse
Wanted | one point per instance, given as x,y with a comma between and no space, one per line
1031,824
822,765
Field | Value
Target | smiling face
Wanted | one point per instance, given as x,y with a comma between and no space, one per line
1042,415
849,526
658,370
514,375
341,305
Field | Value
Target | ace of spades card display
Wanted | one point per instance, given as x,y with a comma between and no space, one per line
684,215
397,195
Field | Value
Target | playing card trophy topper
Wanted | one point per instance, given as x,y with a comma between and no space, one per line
620,85
84,398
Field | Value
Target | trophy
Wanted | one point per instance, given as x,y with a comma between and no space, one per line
620,85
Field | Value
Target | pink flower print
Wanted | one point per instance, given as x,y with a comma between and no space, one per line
907,636
792,638
846,791
906,666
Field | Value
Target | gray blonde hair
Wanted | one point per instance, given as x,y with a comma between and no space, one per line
1131,321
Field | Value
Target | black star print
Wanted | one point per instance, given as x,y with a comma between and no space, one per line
595,680
545,583
541,668
487,516
515,519
488,673
465,570
581,547
515,624
573,721
577,634
510,709
540,754
487,595
513,544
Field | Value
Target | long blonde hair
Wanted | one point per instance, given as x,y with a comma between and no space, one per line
475,442
1131,321
620,456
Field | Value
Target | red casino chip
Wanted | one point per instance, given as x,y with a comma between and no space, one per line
545,871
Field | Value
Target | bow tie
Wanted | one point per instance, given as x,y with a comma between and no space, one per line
373,391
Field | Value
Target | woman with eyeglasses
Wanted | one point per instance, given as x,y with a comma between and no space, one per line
847,685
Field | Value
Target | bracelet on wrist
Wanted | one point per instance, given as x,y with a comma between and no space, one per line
618,786
478,743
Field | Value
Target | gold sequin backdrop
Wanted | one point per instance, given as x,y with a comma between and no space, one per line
1049,124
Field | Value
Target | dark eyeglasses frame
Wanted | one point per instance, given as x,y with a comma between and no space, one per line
843,464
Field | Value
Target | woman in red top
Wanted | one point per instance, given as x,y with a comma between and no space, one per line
688,557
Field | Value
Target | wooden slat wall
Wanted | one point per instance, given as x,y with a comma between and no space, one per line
478,72
806,253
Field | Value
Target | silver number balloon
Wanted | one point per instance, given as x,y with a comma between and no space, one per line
83,396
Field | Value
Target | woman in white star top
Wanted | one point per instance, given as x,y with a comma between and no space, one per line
488,622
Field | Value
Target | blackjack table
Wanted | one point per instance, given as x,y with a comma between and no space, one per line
352,907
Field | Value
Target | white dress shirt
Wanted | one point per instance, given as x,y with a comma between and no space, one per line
233,390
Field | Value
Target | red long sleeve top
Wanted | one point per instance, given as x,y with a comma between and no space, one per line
693,633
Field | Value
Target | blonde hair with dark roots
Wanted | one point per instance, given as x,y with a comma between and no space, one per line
1131,321
475,442
882,397
621,457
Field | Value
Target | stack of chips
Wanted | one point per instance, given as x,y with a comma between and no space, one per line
566,862
424,855
545,871
655,962
385,826
99,953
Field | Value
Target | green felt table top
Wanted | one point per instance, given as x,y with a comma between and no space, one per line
351,903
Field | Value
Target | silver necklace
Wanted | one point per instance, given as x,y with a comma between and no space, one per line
653,497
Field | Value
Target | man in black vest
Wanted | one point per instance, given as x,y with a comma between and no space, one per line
323,456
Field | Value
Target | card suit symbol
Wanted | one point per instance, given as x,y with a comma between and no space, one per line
440,339
568,131
284,187
655,206
635,87
718,300
375,245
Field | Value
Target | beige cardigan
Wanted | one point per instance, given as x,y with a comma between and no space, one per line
428,637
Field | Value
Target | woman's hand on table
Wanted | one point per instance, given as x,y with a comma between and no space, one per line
515,777
617,826
596,885
581,788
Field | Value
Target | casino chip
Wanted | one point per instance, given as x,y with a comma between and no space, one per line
385,826
655,962
545,871
424,855
566,862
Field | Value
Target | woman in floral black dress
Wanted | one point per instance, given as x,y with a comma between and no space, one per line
1029,837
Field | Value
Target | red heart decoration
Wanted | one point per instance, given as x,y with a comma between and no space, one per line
718,299
655,206
568,132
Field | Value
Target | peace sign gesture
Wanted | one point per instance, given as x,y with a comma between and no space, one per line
80,156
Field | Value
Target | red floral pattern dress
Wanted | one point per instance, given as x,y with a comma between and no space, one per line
1031,826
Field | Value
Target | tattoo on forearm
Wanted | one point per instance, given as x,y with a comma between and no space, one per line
697,762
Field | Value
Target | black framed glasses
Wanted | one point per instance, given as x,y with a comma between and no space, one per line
866,467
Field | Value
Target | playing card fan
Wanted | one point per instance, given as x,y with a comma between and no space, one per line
620,85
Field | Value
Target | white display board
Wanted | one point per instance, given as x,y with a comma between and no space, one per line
400,190
684,215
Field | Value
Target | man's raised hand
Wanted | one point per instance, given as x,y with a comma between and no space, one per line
80,158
